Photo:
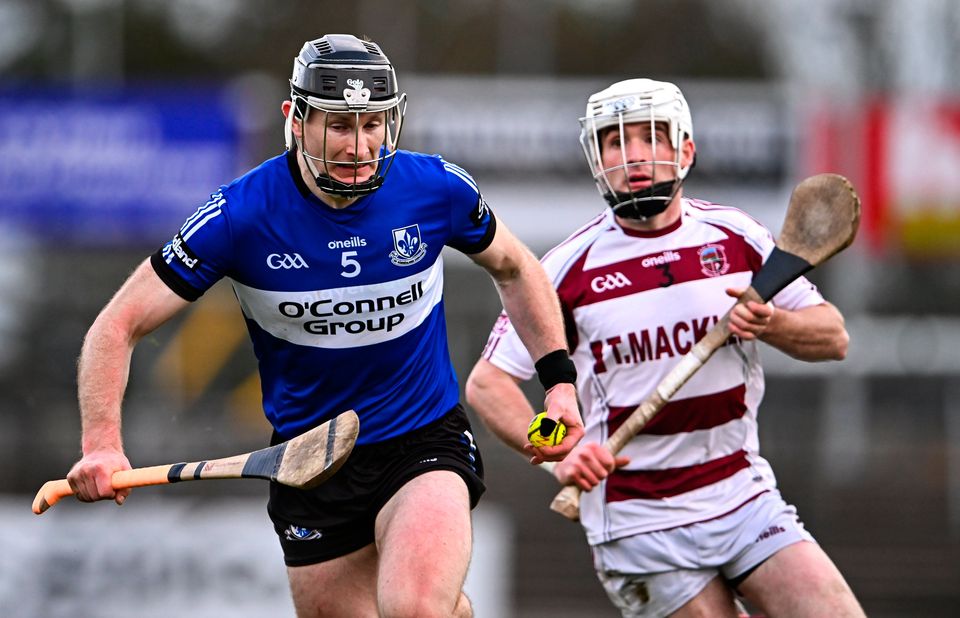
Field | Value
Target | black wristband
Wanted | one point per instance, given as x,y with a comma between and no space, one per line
554,368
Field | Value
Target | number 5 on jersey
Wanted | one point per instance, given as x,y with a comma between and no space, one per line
351,267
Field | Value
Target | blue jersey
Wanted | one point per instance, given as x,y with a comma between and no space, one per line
344,307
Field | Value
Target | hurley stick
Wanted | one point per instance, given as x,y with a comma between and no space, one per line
304,462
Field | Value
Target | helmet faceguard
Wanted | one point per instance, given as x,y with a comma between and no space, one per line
340,74
636,101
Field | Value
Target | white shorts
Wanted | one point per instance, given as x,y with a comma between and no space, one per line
655,573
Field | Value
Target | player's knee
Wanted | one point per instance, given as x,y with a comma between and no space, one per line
424,606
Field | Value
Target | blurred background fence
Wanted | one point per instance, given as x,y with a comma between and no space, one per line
118,118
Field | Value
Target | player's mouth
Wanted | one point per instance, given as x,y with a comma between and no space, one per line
349,171
637,182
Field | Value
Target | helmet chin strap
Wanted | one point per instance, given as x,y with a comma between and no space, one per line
344,189
648,202
645,203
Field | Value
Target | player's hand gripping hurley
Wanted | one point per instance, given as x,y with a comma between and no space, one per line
304,462
821,220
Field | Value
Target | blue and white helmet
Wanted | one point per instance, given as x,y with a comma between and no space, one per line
634,101
339,73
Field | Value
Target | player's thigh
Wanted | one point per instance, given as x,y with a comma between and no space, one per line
714,601
424,540
344,586
800,580
682,592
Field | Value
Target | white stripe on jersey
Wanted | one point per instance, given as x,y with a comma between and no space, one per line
462,174
348,317
213,206
215,201
657,452
199,225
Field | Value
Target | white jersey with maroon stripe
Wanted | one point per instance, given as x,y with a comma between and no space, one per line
635,303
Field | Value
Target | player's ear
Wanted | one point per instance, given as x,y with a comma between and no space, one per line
688,153
287,108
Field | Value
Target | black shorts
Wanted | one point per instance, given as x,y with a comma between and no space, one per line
337,517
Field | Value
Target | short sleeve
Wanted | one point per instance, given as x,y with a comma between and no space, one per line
799,294
505,350
472,223
199,254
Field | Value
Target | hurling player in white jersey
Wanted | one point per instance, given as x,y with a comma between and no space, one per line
338,271
688,515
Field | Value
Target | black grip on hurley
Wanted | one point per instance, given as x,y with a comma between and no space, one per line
265,463
173,475
777,272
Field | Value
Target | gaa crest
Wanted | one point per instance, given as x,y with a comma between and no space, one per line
408,247
713,260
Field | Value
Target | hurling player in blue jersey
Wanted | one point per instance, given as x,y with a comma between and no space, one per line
337,267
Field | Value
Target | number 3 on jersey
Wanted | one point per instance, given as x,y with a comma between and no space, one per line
351,267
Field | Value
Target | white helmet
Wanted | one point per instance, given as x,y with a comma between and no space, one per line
633,101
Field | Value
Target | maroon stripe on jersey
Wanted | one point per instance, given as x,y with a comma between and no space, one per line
663,269
570,289
686,415
655,484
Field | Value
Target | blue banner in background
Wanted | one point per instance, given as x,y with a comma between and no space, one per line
111,168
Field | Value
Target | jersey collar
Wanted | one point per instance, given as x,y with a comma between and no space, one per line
294,168
652,233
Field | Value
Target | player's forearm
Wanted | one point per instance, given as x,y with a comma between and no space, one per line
500,403
526,293
810,334
102,374
531,302
142,304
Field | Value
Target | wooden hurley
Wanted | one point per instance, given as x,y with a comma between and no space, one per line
305,462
